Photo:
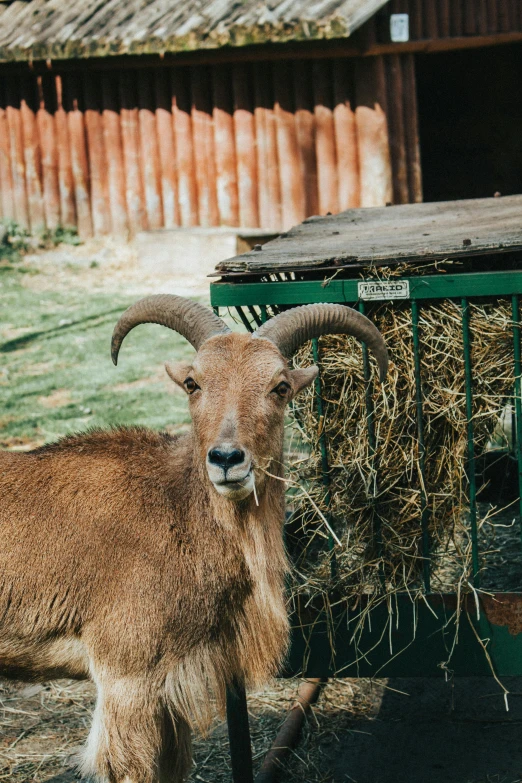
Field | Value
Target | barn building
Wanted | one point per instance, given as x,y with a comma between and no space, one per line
118,117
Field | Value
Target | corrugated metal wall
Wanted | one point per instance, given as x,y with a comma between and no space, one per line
250,144
431,19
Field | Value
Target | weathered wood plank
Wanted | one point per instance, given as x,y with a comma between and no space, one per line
130,135
46,131
346,136
167,150
70,129
32,154
16,148
149,151
203,141
6,174
305,123
266,141
100,207
372,133
225,146
292,190
244,128
182,121
114,154
405,232
325,138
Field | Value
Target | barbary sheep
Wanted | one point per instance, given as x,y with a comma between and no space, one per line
155,564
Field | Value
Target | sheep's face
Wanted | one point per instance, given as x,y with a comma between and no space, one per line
238,389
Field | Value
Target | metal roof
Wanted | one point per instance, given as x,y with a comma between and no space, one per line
407,232
65,29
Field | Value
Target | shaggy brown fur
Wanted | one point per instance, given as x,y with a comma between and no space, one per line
122,562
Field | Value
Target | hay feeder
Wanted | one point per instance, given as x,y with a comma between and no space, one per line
404,519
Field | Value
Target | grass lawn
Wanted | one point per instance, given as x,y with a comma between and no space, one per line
56,374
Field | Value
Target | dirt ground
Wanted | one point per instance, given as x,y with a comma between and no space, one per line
424,731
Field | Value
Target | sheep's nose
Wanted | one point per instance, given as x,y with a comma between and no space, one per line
226,459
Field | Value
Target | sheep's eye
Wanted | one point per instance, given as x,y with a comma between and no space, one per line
282,389
190,385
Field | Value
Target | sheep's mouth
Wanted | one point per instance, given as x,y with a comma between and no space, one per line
236,488
237,482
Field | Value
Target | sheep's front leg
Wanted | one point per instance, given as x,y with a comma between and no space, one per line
132,738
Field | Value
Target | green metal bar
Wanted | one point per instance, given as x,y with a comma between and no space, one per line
245,320
471,446
298,292
216,310
239,735
325,467
370,421
517,430
422,450
264,314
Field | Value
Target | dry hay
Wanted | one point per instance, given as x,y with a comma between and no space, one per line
376,494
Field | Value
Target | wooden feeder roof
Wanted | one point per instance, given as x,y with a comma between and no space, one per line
389,235
67,29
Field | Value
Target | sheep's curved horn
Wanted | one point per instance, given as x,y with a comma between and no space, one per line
192,320
294,327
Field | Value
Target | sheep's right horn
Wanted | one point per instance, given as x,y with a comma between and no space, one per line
192,320
292,328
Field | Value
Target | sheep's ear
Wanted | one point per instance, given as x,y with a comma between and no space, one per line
178,372
303,377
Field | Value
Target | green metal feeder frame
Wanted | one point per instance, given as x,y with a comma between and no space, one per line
321,261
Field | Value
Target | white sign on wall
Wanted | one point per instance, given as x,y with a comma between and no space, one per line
399,28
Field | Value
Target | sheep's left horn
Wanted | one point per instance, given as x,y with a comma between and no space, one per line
294,327
192,320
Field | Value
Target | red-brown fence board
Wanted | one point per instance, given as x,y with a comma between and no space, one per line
305,122
269,186
292,190
258,144
114,154
346,136
72,153
167,151
182,122
411,129
49,153
149,151
203,140
16,150
397,137
100,206
6,174
225,146
372,133
32,155
244,129
325,138
130,138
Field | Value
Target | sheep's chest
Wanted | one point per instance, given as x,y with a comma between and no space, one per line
215,585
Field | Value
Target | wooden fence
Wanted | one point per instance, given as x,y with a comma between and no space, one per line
262,144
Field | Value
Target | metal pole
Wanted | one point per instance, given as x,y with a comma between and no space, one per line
239,734
288,735
422,449
517,429
471,445
325,467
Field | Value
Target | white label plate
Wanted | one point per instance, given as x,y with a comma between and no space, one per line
399,28
384,289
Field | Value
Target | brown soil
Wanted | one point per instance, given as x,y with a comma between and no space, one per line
396,731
